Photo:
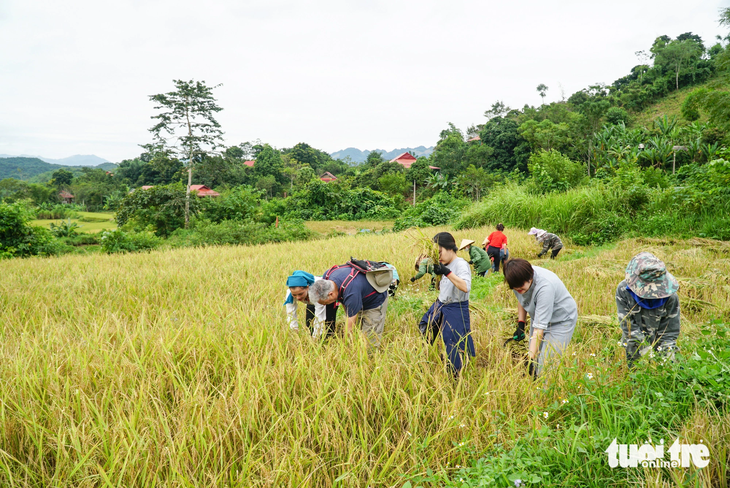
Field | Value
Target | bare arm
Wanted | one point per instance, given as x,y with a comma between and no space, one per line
351,323
535,341
521,313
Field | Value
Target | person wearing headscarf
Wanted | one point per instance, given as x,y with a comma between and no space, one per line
648,308
553,311
549,242
477,256
318,317
450,312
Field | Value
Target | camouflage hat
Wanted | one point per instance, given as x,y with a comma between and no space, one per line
647,276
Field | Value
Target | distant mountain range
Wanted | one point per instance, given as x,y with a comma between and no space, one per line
358,156
77,160
24,168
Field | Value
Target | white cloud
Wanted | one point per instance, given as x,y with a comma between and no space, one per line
76,75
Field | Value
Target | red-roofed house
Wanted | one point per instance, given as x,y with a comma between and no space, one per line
66,196
204,191
249,163
475,138
147,187
327,177
407,159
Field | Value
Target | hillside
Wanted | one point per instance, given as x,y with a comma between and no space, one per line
671,106
358,156
23,168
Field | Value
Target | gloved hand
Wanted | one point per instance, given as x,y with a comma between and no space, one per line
519,334
413,278
471,262
539,255
441,269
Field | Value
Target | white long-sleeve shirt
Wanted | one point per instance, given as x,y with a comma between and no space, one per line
319,313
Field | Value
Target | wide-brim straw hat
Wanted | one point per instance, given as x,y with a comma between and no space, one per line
647,276
464,243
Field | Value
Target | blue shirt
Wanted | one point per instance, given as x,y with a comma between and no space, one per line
360,295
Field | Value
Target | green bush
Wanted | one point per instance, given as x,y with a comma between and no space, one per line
19,238
118,241
161,207
231,232
240,203
442,209
550,171
56,212
64,228
331,201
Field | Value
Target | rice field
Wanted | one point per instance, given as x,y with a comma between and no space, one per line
89,222
177,368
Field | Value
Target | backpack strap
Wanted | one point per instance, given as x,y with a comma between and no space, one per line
346,282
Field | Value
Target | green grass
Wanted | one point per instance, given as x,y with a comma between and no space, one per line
671,106
90,222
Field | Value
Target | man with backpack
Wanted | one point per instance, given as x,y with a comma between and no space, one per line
362,289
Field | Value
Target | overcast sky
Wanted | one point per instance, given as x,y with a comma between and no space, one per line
75,75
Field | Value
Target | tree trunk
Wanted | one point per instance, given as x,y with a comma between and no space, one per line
187,195
190,167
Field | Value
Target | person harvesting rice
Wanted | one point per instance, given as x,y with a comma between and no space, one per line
553,312
450,312
648,308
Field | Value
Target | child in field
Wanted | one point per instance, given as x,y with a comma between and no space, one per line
450,312
648,308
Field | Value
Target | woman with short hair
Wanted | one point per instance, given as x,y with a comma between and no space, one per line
553,312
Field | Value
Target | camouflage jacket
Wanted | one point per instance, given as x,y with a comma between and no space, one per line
634,317
423,268
551,241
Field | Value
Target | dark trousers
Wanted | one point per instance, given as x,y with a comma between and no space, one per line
329,321
494,254
454,323
555,253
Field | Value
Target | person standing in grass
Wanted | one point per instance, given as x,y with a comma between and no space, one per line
450,312
477,256
553,312
648,308
549,242
493,244
363,303
424,266
318,317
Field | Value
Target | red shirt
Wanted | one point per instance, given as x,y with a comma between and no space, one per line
497,239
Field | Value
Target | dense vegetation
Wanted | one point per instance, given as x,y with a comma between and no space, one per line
580,166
